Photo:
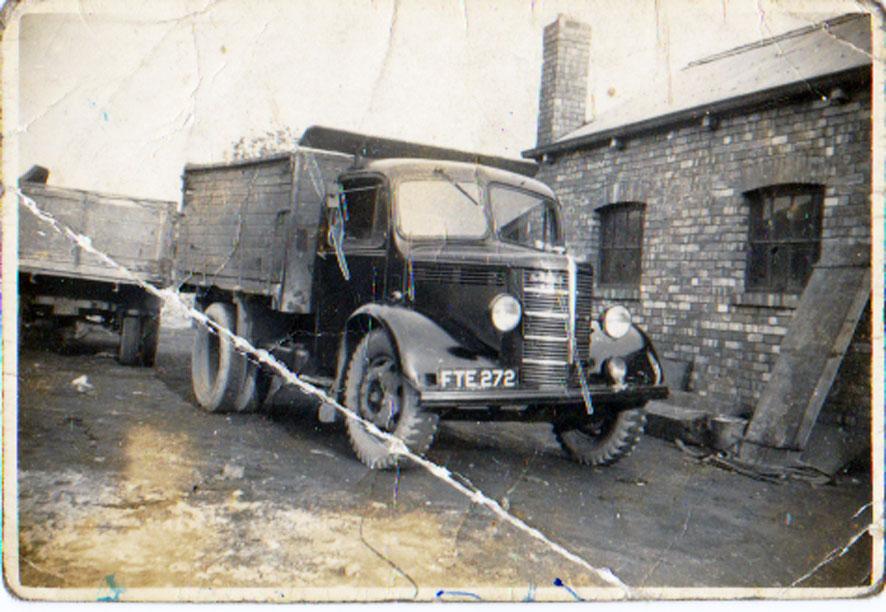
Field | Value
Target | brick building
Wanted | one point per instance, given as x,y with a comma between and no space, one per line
708,204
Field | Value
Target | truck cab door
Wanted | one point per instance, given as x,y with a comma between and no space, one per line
352,262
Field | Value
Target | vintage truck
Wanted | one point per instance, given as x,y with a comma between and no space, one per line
413,283
61,285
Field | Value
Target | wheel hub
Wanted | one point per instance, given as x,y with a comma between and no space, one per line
598,426
380,394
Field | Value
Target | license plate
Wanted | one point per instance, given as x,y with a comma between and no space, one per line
477,378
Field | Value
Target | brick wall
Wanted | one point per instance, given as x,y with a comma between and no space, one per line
564,78
692,297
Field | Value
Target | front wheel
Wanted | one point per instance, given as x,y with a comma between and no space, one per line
376,390
603,438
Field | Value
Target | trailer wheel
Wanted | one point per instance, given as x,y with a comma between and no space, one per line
139,338
150,339
128,352
376,390
602,439
217,370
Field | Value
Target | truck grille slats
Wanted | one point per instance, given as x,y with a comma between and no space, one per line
459,275
546,351
583,308
546,327
546,359
542,374
540,302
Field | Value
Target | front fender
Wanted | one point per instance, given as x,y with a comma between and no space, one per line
422,345
604,346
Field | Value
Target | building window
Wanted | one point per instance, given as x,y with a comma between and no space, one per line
784,237
621,244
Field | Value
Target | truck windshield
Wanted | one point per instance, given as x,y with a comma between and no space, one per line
441,209
525,218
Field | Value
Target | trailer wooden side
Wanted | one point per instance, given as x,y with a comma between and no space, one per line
252,226
136,233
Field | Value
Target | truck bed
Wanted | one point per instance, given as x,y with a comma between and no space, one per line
136,233
252,225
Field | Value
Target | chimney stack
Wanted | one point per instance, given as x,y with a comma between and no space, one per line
564,78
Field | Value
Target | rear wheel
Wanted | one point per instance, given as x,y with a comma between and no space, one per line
603,438
376,390
256,383
217,369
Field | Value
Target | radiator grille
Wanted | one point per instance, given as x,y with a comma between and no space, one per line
546,359
545,328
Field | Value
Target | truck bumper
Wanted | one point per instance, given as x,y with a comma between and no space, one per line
543,397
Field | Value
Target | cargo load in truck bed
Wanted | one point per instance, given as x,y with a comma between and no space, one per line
252,225
136,233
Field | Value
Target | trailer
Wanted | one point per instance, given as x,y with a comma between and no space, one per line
60,284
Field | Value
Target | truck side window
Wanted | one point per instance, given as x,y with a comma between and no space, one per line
364,210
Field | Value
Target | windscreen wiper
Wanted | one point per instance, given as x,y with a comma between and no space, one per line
443,173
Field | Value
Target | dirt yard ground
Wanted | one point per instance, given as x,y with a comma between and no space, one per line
125,484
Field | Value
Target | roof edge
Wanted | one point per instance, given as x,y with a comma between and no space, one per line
821,25
857,74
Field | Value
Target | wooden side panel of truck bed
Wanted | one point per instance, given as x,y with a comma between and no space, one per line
135,233
252,226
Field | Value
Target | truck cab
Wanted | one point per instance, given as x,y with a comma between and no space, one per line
464,269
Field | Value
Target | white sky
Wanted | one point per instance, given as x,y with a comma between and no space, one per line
118,96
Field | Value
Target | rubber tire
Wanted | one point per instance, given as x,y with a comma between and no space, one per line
616,443
129,349
217,391
139,339
150,339
415,427
254,390
256,383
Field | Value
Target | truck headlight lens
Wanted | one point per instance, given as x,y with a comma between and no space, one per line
505,312
616,321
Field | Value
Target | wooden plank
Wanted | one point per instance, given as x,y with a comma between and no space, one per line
230,216
811,352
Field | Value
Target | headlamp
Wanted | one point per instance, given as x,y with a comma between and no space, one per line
616,321
505,311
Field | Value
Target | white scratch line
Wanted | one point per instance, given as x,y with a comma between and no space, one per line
395,444
835,554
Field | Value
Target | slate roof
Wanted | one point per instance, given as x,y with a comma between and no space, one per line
791,62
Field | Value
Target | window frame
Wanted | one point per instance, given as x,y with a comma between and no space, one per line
758,201
381,223
560,240
397,204
606,216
